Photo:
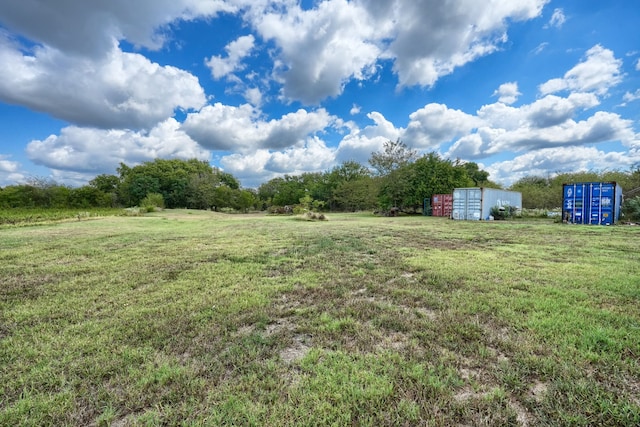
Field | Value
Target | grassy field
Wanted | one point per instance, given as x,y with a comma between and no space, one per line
30,216
197,318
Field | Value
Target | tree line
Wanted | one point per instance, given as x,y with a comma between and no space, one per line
395,177
173,183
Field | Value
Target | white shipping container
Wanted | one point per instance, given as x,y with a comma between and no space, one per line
475,203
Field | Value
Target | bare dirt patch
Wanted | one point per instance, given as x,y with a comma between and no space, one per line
297,350
467,393
538,391
522,416
394,341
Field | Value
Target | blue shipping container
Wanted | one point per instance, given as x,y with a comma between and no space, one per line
595,203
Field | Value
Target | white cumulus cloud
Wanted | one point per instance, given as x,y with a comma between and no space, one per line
597,73
435,124
120,90
431,38
507,92
320,49
224,127
10,171
95,151
90,27
262,165
236,52
360,143
628,96
562,159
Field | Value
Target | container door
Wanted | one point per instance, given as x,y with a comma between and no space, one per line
436,205
590,203
574,203
467,204
447,205
602,203
474,204
459,203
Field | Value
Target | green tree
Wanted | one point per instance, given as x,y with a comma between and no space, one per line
357,195
105,183
349,171
201,191
267,191
16,196
478,176
536,192
223,197
60,196
289,191
228,180
244,200
392,165
171,178
136,187
394,156
87,196
430,175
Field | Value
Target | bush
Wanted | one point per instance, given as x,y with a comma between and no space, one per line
152,202
280,210
631,208
311,216
503,212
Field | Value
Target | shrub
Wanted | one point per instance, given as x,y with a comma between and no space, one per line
631,208
311,216
135,211
152,202
503,212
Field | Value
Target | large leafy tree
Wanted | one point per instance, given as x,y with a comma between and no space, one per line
333,188
105,183
407,181
350,187
182,183
244,199
395,155
478,176
430,175
356,195
392,166
536,192
282,191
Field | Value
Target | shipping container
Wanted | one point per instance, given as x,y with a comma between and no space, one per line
475,203
442,205
596,203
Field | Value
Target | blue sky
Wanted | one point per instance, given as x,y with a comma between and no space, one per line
263,88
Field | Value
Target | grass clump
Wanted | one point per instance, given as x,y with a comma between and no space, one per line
311,216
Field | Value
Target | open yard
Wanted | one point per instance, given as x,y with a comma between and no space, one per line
198,318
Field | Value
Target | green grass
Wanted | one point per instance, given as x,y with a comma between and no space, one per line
30,216
198,318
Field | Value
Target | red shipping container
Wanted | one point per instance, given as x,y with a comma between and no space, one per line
442,205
